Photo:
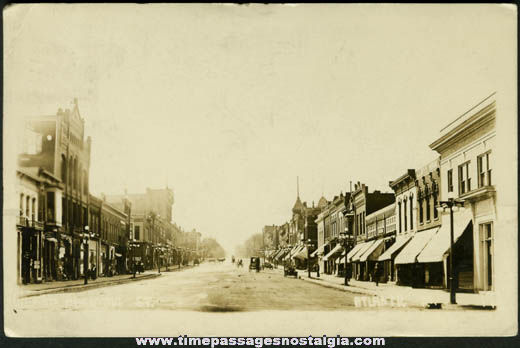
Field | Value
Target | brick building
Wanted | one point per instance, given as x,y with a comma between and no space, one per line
64,153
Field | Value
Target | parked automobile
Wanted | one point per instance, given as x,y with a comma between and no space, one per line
254,263
290,270
268,265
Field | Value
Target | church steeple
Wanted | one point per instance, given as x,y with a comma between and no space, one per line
298,206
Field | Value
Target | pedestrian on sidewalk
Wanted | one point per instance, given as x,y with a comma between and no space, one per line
377,273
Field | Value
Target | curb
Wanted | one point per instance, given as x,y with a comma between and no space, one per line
82,287
339,287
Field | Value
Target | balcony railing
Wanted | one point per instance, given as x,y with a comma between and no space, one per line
37,224
26,222
23,221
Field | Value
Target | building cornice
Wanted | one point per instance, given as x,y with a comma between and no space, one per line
477,120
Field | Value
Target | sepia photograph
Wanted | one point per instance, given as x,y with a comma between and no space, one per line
260,174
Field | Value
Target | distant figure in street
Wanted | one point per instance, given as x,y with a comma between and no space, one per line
377,273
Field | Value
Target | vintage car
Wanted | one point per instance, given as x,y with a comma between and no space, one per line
290,270
268,265
254,263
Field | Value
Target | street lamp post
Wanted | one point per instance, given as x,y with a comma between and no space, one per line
346,242
132,248
452,204
85,236
159,254
309,246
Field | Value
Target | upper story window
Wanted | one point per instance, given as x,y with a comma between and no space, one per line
435,212
450,180
421,213
411,212
484,169
400,228
27,206
464,179
427,208
21,204
33,209
405,216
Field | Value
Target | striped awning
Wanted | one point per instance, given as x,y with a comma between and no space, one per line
319,251
364,247
394,249
333,252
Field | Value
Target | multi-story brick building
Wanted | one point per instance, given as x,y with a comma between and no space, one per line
361,204
405,189
151,213
419,223
64,152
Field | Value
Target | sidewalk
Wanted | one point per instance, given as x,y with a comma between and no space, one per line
413,296
78,285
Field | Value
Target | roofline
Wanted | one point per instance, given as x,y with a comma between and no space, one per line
410,173
458,118
479,115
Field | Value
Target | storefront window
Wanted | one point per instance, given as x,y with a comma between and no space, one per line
487,246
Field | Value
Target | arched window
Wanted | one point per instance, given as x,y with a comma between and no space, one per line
76,174
70,176
421,214
33,209
80,178
63,169
428,215
411,212
435,212
27,206
405,215
85,182
400,228
21,204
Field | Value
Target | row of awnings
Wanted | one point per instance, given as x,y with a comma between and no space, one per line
426,246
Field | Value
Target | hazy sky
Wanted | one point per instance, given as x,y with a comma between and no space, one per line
228,104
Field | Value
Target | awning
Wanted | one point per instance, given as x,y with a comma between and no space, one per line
354,251
340,260
319,250
334,251
440,243
291,253
415,246
118,255
362,251
373,251
297,251
51,239
280,254
394,249
302,254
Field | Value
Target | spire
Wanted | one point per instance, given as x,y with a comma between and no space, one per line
297,187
